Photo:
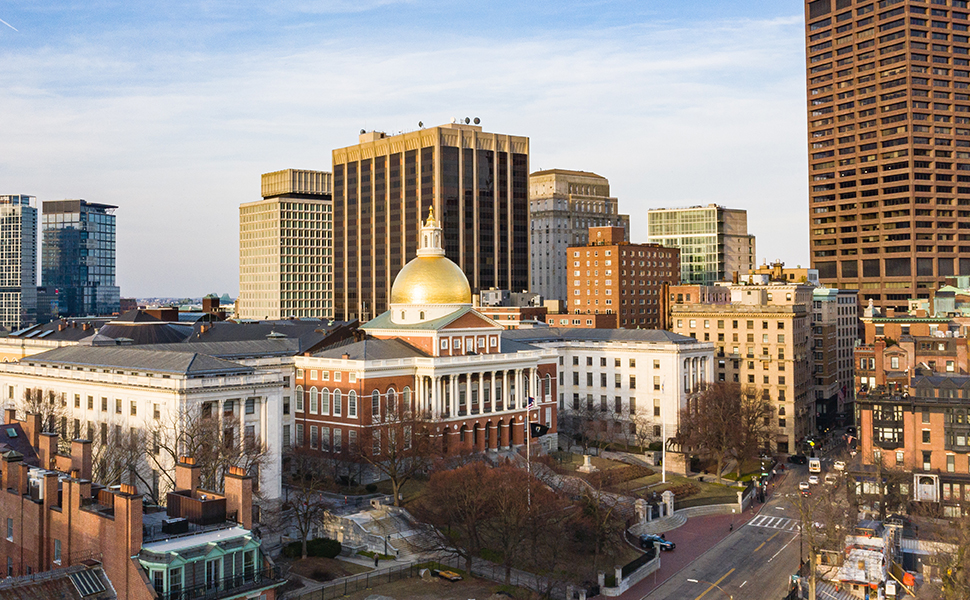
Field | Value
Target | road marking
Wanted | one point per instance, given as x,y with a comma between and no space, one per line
782,548
716,583
774,523
742,585
767,540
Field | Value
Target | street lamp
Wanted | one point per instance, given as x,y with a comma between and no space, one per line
730,597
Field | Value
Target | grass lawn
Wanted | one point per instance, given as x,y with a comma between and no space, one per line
409,492
645,486
574,461
326,569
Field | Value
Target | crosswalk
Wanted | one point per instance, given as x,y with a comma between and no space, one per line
782,523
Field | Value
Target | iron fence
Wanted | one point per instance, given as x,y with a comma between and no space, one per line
548,588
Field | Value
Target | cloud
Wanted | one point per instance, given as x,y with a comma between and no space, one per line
177,137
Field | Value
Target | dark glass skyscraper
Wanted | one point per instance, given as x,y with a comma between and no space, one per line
478,184
79,256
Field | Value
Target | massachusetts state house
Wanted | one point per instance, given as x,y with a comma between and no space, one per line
431,354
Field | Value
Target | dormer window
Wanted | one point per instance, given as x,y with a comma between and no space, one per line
421,315
402,315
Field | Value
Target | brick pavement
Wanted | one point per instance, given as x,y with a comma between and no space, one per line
693,539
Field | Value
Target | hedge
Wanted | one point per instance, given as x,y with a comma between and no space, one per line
323,547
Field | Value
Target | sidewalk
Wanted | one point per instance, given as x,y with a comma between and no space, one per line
693,539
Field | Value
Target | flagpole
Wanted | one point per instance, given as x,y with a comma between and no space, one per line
663,436
528,446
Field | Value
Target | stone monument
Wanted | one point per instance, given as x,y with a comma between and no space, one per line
587,467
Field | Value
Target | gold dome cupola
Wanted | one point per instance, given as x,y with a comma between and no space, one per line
431,285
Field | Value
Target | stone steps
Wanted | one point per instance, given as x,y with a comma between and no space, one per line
658,526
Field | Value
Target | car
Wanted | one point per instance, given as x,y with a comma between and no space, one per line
839,465
831,479
449,575
798,459
804,485
813,480
648,539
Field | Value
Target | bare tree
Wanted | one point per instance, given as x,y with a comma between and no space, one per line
216,444
710,422
642,430
119,457
599,525
52,410
825,518
399,447
755,426
584,425
306,478
457,504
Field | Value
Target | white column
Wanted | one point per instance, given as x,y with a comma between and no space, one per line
453,386
505,390
518,386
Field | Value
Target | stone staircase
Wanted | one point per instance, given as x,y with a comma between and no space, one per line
658,526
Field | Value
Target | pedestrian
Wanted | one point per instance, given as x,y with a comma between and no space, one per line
731,528
376,558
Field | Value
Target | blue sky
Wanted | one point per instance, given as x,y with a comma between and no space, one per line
173,110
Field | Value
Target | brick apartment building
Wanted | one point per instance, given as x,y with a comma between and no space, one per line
611,276
55,517
925,431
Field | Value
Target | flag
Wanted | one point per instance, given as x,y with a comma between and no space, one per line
537,430
532,401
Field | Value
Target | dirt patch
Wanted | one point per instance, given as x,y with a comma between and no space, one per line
436,589
326,569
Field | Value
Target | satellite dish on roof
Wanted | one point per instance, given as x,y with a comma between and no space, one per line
467,120
362,132
477,120
420,124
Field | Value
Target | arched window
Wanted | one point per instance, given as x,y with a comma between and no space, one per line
352,404
325,402
299,398
313,401
406,400
375,406
548,390
421,315
391,401
337,404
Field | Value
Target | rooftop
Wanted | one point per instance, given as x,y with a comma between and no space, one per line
136,358
570,334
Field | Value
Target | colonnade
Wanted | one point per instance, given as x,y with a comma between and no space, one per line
476,393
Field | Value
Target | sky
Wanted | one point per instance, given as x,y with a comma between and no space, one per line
172,110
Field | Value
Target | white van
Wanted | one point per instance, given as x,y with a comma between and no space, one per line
814,465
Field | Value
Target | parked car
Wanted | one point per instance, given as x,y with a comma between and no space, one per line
813,480
839,465
449,575
798,459
648,539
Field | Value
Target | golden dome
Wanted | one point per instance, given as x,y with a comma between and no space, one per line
431,280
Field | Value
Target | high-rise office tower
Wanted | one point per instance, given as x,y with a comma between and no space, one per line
714,242
18,261
563,206
383,187
78,256
889,145
285,248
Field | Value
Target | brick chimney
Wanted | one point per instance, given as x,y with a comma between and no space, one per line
32,426
11,471
187,474
47,450
81,458
9,416
239,496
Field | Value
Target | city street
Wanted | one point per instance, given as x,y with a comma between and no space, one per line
754,562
